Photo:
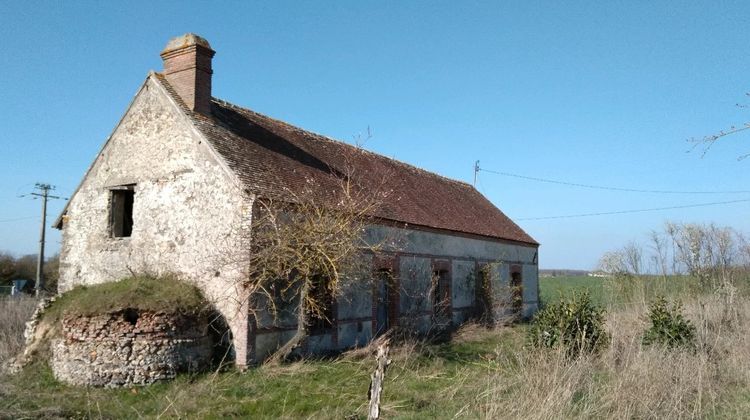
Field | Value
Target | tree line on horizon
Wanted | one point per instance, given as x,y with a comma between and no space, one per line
24,268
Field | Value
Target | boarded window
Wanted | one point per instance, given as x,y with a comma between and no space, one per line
121,211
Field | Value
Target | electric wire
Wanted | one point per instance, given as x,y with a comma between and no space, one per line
606,213
601,187
19,218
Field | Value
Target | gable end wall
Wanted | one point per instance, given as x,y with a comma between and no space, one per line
189,217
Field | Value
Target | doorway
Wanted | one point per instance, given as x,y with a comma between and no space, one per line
383,285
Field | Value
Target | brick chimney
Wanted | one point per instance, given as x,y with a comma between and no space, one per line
187,67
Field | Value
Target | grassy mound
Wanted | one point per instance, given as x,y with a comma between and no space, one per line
163,294
143,293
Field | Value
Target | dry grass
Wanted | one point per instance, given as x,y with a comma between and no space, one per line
14,312
630,380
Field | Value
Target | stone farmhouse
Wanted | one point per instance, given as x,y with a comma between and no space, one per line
173,190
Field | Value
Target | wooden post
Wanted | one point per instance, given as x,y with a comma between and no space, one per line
376,380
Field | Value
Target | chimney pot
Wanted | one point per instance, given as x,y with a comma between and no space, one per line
187,67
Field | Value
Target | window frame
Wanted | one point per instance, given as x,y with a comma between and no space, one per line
121,220
441,299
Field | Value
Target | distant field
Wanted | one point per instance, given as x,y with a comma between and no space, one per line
607,291
553,289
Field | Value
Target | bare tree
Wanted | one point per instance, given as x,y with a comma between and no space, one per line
613,263
707,141
633,258
659,257
306,244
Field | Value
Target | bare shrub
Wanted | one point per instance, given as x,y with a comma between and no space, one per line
14,312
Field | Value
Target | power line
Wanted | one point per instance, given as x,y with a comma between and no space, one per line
600,187
17,219
634,211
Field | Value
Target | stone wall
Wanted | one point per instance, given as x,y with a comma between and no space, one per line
189,213
414,255
129,347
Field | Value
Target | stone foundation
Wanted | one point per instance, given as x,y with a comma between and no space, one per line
130,347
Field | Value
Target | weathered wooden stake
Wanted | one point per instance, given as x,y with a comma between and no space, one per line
376,380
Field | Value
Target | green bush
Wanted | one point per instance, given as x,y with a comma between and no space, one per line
668,326
577,325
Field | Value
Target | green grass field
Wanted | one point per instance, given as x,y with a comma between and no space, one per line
608,292
552,289
425,381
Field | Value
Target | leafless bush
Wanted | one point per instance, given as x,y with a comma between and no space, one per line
713,254
709,252
14,312
625,261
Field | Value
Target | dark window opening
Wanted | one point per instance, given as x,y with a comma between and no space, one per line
516,292
322,317
383,288
484,297
441,292
121,212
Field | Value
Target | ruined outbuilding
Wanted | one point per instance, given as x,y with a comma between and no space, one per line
174,188
130,347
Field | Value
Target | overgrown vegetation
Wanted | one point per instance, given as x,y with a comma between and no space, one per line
480,373
576,325
145,293
668,325
483,372
14,312
307,243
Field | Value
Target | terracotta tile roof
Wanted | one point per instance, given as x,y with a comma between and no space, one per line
269,156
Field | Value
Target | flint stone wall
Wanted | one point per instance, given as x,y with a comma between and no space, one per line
190,214
128,347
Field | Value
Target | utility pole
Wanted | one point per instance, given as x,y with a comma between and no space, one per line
44,190
476,171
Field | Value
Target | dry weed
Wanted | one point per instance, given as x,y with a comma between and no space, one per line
14,312
630,380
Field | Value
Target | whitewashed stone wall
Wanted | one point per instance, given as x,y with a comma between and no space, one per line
190,216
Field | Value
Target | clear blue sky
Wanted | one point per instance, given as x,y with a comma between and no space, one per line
588,92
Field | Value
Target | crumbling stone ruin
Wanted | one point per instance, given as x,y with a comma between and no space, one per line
130,347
